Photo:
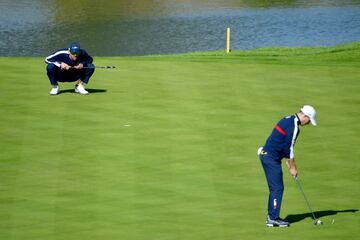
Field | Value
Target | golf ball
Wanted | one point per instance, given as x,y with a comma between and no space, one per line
318,222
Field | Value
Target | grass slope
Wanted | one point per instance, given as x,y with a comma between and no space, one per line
164,147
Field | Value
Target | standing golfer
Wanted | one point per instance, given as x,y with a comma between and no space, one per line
69,65
279,145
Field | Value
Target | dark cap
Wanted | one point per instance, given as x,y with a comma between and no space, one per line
75,49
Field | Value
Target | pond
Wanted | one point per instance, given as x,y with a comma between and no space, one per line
143,27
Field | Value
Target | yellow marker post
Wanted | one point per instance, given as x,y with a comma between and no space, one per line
228,40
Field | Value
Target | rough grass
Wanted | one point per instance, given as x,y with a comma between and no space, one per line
164,147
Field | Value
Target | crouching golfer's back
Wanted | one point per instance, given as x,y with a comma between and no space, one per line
69,65
279,145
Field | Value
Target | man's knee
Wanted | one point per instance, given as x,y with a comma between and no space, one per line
89,71
277,189
87,74
53,74
51,68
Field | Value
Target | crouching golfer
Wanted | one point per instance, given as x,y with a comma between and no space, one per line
69,65
279,145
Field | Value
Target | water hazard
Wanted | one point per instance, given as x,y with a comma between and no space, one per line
143,27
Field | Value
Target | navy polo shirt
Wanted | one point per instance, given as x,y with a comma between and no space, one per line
281,141
63,56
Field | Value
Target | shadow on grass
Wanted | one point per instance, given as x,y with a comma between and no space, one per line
90,90
293,218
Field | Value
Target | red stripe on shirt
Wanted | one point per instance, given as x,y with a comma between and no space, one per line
277,127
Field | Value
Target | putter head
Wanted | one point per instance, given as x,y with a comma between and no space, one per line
318,222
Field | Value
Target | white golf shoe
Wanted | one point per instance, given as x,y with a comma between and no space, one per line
79,88
277,222
55,90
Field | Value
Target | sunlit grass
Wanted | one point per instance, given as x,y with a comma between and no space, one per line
164,147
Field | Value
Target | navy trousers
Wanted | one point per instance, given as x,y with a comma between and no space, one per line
274,177
56,74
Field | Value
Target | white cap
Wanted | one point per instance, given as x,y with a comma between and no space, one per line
310,112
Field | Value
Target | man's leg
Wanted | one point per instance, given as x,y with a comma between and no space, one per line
54,75
273,173
86,75
73,75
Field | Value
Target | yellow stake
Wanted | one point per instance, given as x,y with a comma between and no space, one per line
228,40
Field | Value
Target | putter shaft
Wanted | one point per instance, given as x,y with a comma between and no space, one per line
93,66
100,67
306,200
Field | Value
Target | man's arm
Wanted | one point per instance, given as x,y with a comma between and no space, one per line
292,166
87,59
56,58
292,131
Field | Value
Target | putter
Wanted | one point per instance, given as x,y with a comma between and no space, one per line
93,66
317,221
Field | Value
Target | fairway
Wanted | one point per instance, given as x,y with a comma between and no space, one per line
164,147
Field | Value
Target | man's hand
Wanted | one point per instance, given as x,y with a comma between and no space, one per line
292,167
64,66
79,66
293,172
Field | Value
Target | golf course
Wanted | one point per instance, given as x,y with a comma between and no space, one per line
164,147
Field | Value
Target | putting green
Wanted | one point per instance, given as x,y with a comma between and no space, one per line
164,147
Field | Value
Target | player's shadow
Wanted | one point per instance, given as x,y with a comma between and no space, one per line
293,218
90,90
94,90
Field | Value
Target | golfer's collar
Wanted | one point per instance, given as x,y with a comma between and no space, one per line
298,119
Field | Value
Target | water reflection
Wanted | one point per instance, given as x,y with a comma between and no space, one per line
127,27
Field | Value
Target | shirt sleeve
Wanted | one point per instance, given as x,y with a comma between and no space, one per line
291,137
55,58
